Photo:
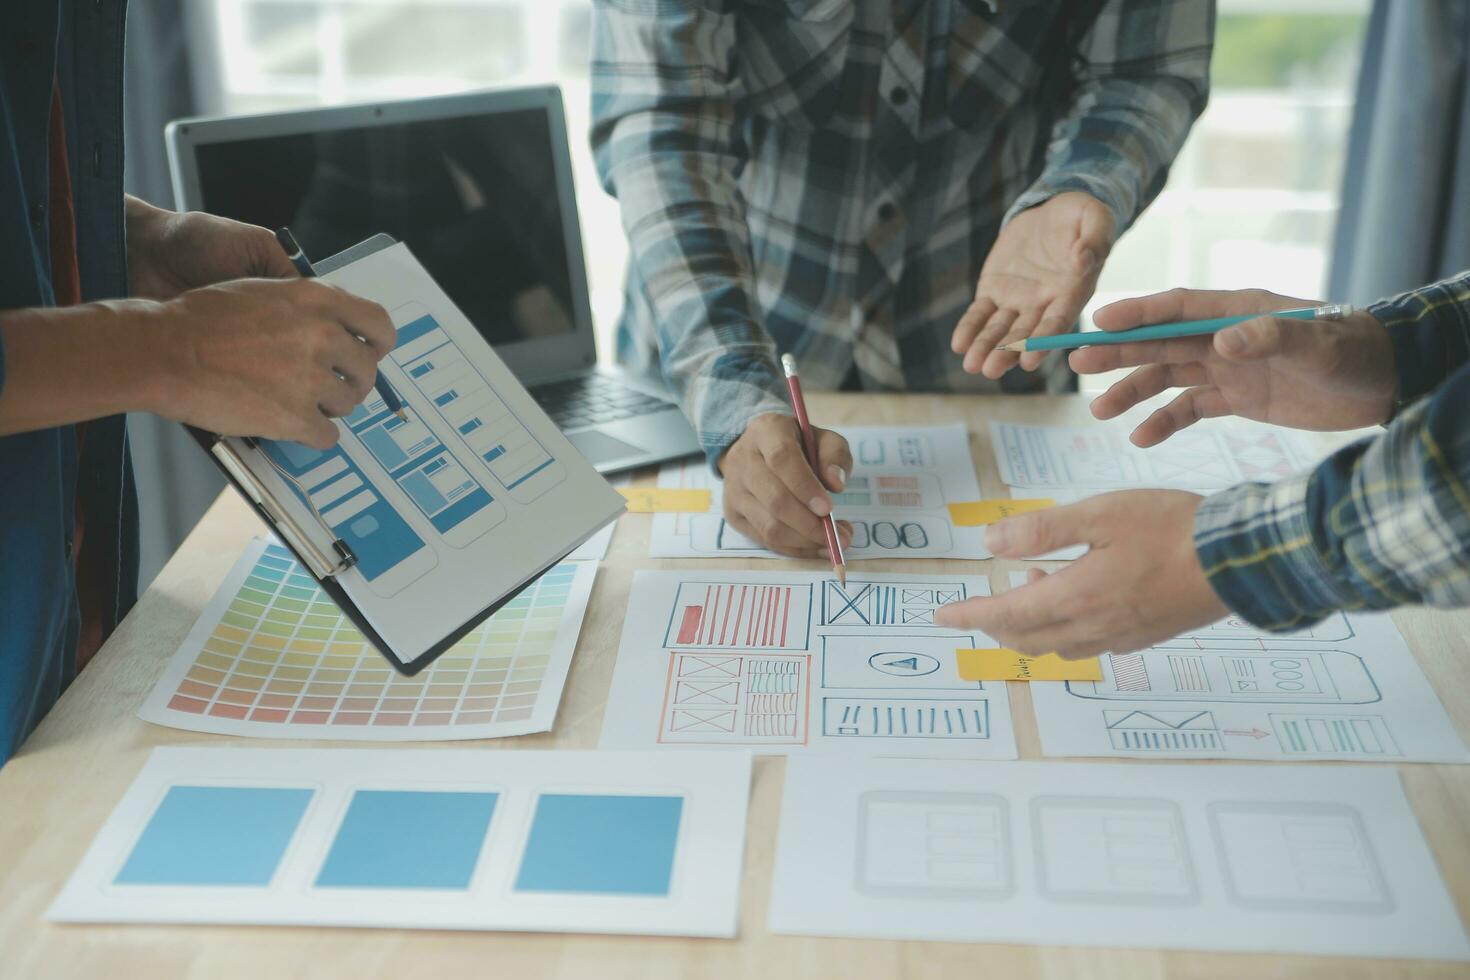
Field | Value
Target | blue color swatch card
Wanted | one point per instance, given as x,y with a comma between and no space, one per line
613,842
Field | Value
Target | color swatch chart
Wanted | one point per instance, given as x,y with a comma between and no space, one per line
272,656
450,838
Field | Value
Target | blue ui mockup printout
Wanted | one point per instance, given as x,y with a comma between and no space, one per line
468,494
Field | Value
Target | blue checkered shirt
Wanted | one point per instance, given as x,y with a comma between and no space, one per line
827,177
1381,523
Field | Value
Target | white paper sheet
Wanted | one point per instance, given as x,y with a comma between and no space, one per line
434,506
1209,456
330,853
1345,689
903,476
787,663
272,657
1305,859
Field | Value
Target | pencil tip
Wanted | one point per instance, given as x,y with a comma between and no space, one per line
841,574
1018,346
402,415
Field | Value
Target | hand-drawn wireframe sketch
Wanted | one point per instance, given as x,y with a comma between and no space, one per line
868,604
1234,632
877,488
895,499
1159,730
1110,850
906,718
928,533
1325,860
1365,736
714,615
1239,692
1208,457
736,700
910,661
1298,857
934,845
1294,677
799,663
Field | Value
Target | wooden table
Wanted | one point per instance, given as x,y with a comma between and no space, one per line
57,792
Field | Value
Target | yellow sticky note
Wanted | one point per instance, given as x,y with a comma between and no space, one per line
1000,664
975,513
665,500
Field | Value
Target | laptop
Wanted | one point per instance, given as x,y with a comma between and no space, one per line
480,188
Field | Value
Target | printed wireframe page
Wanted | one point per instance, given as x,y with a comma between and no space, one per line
467,498
1206,456
1326,860
273,657
785,664
607,842
903,476
1345,689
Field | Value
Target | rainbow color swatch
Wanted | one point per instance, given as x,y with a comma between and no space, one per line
272,656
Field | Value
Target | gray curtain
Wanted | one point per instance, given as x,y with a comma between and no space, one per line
1405,217
176,482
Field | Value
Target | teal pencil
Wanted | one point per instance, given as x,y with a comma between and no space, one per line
1167,331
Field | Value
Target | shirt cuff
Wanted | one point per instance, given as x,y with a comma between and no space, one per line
1255,542
736,389
1114,195
1425,349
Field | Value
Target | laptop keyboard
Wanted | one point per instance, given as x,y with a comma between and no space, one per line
591,399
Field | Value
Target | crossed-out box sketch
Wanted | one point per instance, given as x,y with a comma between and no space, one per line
736,698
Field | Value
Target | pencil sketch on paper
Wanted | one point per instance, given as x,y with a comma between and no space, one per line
1111,850
802,662
934,845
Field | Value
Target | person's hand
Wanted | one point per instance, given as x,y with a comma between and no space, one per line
772,495
1035,281
1308,374
1139,583
277,359
170,253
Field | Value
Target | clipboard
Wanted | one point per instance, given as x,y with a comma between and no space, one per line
316,546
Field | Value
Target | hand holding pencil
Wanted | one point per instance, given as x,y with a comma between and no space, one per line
809,441
1322,373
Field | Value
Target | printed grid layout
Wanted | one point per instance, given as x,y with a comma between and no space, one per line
282,652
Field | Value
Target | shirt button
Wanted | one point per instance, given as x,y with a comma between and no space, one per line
898,95
38,216
886,211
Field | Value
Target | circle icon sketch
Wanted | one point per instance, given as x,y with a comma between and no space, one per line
900,663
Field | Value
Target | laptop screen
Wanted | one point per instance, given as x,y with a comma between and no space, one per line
474,197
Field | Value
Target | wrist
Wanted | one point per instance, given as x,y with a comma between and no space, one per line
154,349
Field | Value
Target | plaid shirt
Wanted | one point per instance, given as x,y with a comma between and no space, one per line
1380,523
827,177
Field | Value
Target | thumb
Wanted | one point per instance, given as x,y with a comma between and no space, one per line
1255,340
834,460
1037,533
1094,236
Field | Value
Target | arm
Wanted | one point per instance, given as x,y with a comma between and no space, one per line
249,357
1143,80
664,136
1381,523
664,133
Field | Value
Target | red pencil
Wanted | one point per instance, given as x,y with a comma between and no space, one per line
809,438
